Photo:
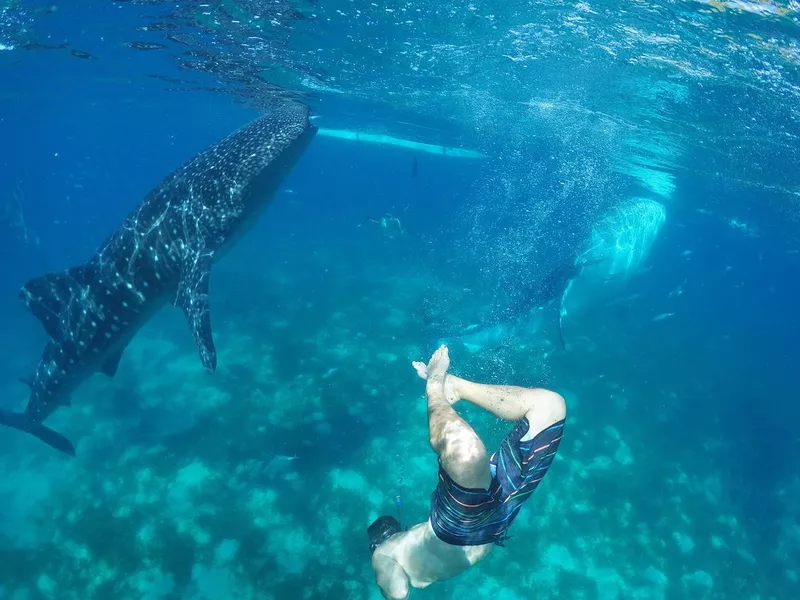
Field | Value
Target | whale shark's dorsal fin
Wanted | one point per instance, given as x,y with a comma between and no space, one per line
192,298
48,296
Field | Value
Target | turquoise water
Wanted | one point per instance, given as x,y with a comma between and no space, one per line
657,144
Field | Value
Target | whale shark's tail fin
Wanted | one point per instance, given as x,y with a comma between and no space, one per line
48,436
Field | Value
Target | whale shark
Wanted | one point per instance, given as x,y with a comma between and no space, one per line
521,319
541,294
161,253
613,252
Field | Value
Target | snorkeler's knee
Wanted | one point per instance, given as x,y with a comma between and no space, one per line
556,406
549,409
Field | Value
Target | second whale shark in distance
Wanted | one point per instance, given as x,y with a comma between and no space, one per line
162,252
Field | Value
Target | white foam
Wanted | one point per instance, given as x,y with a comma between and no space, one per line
374,138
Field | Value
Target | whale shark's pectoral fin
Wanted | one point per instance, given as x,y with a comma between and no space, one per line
111,365
562,312
192,298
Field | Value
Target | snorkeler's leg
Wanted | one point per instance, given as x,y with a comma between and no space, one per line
541,407
462,454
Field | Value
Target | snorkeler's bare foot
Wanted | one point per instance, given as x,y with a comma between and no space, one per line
421,368
439,363
450,381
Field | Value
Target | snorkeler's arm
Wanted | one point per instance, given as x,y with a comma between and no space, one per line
390,577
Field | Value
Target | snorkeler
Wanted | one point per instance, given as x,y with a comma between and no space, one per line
478,496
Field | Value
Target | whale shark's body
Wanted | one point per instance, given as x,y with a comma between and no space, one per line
162,252
522,318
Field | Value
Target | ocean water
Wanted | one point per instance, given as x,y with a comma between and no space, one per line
640,156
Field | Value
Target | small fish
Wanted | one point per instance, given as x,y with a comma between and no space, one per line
179,38
745,228
38,46
145,46
678,290
662,316
687,253
82,54
278,463
388,222
157,27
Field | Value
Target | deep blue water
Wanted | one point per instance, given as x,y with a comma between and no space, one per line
677,475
